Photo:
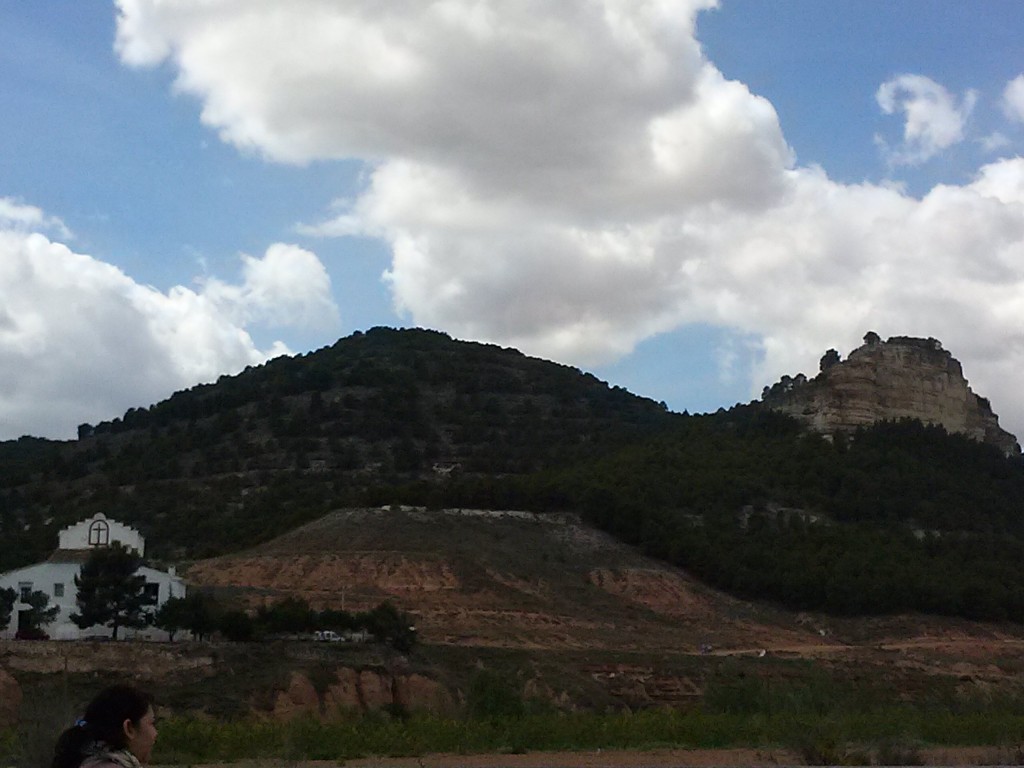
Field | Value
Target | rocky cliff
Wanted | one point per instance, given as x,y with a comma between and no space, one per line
902,377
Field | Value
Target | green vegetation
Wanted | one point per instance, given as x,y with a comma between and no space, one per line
898,517
384,623
390,626
110,591
823,723
494,696
8,597
192,612
39,614
224,466
202,615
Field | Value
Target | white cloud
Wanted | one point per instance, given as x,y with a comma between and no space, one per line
572,178
1013,99
18,216
994,142
837,261
934,120
288,286
81,341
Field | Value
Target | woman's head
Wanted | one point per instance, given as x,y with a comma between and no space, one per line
107,713
120,716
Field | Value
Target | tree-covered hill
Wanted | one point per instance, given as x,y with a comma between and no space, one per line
225,465
895,517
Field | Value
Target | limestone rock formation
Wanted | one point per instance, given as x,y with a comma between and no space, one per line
902,377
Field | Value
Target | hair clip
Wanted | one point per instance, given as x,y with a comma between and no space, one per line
80,723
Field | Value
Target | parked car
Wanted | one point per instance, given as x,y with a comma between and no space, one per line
327,636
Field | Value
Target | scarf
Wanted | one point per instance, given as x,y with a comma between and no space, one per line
99,752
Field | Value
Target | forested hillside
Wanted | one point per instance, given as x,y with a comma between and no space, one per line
230,464
898,516
894,517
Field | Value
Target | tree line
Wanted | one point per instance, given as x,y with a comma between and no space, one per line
899,516
203,615
112,594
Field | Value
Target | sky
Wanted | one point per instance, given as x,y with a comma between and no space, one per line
687,198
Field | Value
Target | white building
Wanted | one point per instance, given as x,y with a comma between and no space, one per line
56,577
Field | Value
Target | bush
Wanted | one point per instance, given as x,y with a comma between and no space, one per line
237,626
898,752
493,696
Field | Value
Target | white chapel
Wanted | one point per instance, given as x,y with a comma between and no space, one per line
56,577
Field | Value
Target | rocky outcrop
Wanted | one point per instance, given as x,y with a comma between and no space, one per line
366,690
902,377
298,699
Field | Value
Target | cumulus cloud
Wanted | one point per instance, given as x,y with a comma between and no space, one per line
572,178
1013,99
934,120
836,261
18,216
288,286
81,341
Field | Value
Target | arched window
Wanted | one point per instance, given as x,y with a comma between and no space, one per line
99,534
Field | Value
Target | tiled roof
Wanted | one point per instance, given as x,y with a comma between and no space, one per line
69,556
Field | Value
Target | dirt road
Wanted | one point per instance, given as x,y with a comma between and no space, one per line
661,758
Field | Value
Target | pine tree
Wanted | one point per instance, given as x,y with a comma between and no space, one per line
172,616
40,613
110,592
8,597
193,612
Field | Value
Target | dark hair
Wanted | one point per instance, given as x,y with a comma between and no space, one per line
103,721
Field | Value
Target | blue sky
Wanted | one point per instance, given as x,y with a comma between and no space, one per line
820,64
688,201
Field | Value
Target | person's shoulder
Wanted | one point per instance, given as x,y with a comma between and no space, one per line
98,762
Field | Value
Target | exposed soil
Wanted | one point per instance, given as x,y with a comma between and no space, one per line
510,580
522,581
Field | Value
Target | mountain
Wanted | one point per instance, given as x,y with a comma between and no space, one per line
880,518
902,377
226,465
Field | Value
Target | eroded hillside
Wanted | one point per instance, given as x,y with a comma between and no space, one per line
509,579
